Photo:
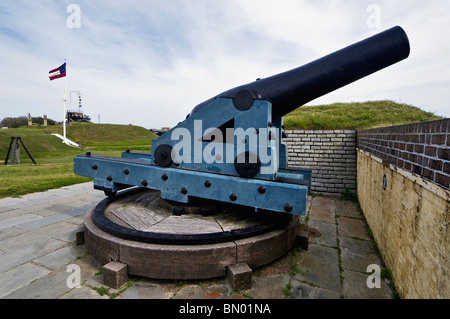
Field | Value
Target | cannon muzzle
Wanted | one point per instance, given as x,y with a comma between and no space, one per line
292,89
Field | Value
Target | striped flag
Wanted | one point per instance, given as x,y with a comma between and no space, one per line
57,73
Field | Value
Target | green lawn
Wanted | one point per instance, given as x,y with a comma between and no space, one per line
54,159
355,116
24,179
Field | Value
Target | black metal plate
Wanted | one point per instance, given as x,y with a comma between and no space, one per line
108,226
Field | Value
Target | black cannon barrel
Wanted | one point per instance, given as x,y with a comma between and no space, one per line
292,89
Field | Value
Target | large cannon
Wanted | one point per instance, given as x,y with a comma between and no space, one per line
229,148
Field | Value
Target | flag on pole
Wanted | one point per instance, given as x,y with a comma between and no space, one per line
57,73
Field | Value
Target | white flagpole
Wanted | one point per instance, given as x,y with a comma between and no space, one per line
64,102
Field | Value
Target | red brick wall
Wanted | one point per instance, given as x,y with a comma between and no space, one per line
421,148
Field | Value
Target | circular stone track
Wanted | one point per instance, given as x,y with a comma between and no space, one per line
164,240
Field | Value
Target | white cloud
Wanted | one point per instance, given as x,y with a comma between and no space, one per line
149,63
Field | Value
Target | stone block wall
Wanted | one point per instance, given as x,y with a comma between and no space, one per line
409,219
420,148
403,188
331,154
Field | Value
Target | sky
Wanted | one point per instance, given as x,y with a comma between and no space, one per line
149,62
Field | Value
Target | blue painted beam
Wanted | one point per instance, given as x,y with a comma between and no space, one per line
179,184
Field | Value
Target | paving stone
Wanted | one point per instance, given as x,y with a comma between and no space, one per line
351,227
73,199
38,209
95,280
347,208
57,208
60,257
83,292
19,277
28,252
50,286
95,197
328,235
55,218
304,291
18,220
15,203
77,220
62,231
39,198
9,233
355,287
78,187
18,212
199,292
50,242
144,290
323,209
89,266
269,287
4,209
320,266
358,254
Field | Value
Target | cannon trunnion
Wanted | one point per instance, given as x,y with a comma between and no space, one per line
229,149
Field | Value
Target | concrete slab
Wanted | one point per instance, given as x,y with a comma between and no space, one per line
355,287
57,208
79,187
269,287
93,197
19,277
320,266
9,233
77,220
358,254
74,199
351,227
17,212
199,292
145,290
62,231
347,208
51,286
304,291
55,218
38,209
15,203
323,209
4,209
28,252
328,233
83,292
60,257
14,221
39,198
34,258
